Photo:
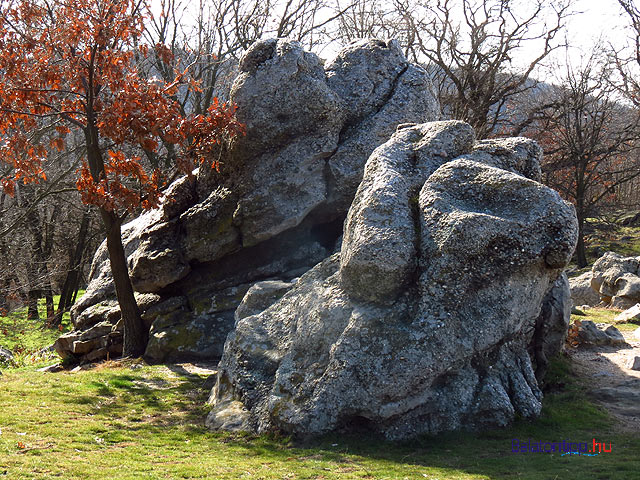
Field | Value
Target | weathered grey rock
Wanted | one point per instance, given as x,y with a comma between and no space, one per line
518,155
616,279
282,93
101,284
379,250
296,186
446,351
260,296
364,73
581,291
209,232
157,248
56,367
591,333
551,325
194,326
634,363
92,344
277,207
412,101
630,315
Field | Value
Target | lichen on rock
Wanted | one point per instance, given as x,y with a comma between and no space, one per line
425,319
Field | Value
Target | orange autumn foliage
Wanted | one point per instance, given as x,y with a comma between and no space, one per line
71,65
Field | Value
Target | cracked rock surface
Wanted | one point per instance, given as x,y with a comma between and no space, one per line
445,299
279,205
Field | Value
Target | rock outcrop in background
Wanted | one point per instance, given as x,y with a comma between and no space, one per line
448,283
617,280
614,281
276,211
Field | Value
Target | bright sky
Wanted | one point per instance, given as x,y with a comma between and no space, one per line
596,19
599,18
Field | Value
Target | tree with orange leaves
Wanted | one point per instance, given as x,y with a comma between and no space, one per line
70,65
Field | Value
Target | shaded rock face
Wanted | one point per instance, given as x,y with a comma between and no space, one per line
617,280
552,324
279,207
448,275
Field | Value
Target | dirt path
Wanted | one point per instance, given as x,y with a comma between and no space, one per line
611,382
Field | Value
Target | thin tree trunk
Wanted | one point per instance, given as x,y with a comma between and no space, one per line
581,254
32,304
72,279
48,299
135,332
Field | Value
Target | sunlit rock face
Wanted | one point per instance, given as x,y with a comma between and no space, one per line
617,280
443,303
278,207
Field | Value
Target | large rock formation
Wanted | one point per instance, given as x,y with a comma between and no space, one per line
424,320
275,211
617,280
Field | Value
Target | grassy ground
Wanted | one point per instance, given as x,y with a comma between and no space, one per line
25,338
127,421
612,237
604,315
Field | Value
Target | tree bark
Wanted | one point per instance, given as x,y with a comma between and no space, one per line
581,253
135,332
72,279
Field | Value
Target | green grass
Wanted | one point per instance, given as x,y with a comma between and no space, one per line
604,315
125,420
615,238
123,423
26,337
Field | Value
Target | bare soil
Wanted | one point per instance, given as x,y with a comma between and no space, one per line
607,374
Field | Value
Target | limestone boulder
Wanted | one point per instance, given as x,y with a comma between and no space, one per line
278,205
260,296
551,325
436,340
6,357
617,280
581,291
591,333
629,315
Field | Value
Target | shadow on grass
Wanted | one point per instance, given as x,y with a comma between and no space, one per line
568,415
149,404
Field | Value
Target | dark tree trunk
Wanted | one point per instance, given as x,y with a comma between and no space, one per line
48,300
72,279
32,304
135,332
581,253
37,268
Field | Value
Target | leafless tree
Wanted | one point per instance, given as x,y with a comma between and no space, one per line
591,141
473,49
